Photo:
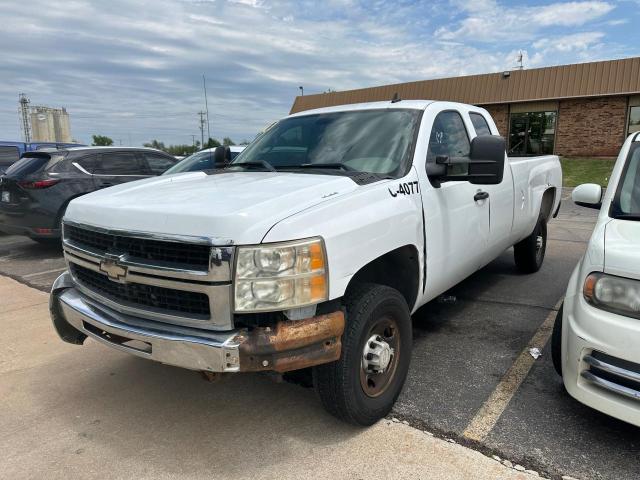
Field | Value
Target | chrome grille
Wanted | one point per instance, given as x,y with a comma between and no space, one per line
140,248
613,374
166,299
167,279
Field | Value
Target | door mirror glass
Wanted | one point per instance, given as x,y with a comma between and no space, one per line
483,166
486,166
587,195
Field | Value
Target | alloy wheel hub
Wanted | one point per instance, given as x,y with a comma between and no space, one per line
377,355
539,242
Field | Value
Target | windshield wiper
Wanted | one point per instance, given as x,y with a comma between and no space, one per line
336,165
260,163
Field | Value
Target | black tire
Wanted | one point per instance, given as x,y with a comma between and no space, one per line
528,254
341,385
556,342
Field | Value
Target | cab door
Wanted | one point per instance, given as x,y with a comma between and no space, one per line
456,212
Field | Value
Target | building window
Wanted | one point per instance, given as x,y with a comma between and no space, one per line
532,133
634,120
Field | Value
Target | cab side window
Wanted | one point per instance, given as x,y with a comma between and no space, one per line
449,138
480,124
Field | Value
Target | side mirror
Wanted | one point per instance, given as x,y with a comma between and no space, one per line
485,163
587,195
222,155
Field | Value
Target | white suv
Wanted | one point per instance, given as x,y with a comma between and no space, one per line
596,337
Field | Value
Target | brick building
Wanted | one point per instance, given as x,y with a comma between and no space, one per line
584,109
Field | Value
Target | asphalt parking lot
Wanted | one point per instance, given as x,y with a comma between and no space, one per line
469,379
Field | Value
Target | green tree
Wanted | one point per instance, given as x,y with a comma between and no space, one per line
182,149
155,144
211,143
101,141
227,142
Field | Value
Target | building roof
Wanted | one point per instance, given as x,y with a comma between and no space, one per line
595,79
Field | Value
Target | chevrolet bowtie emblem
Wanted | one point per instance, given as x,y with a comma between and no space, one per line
111,266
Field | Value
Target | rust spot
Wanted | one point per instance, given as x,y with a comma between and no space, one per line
293,345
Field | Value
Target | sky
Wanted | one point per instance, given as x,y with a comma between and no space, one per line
132,70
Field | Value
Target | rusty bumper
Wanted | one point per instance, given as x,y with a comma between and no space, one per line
292,345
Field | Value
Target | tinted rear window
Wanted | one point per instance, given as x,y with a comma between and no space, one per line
34,162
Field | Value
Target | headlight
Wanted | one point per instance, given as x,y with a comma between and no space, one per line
280,276
613,294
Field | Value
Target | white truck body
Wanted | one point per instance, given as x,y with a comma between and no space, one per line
358,223
595,342
448,231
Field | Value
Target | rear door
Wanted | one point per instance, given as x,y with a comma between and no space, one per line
114,168
500,197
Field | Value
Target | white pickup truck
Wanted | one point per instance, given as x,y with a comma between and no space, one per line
311,249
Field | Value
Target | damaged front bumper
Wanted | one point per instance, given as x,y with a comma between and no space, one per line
286,346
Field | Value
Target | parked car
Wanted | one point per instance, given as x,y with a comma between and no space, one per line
311,249
596,337
10,152
36,190
204,160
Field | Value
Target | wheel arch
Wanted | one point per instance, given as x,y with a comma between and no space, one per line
547,202
398,269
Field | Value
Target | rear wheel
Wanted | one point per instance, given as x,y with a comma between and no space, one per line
529,253
362,386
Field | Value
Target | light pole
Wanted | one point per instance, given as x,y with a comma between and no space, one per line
301,91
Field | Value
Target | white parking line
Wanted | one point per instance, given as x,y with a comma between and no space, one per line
495,405
45,272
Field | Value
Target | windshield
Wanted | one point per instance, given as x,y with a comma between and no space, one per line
374,141
627,199
198,161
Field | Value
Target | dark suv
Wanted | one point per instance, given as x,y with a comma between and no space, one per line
35,191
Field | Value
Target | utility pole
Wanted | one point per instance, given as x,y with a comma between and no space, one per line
193,141
24,117
206,103
202,121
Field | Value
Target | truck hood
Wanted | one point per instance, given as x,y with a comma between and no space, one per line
235,207
622,248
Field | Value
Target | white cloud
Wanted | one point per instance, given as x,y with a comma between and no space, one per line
569,43
489,21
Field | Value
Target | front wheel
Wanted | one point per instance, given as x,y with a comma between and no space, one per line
362,386
529,253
